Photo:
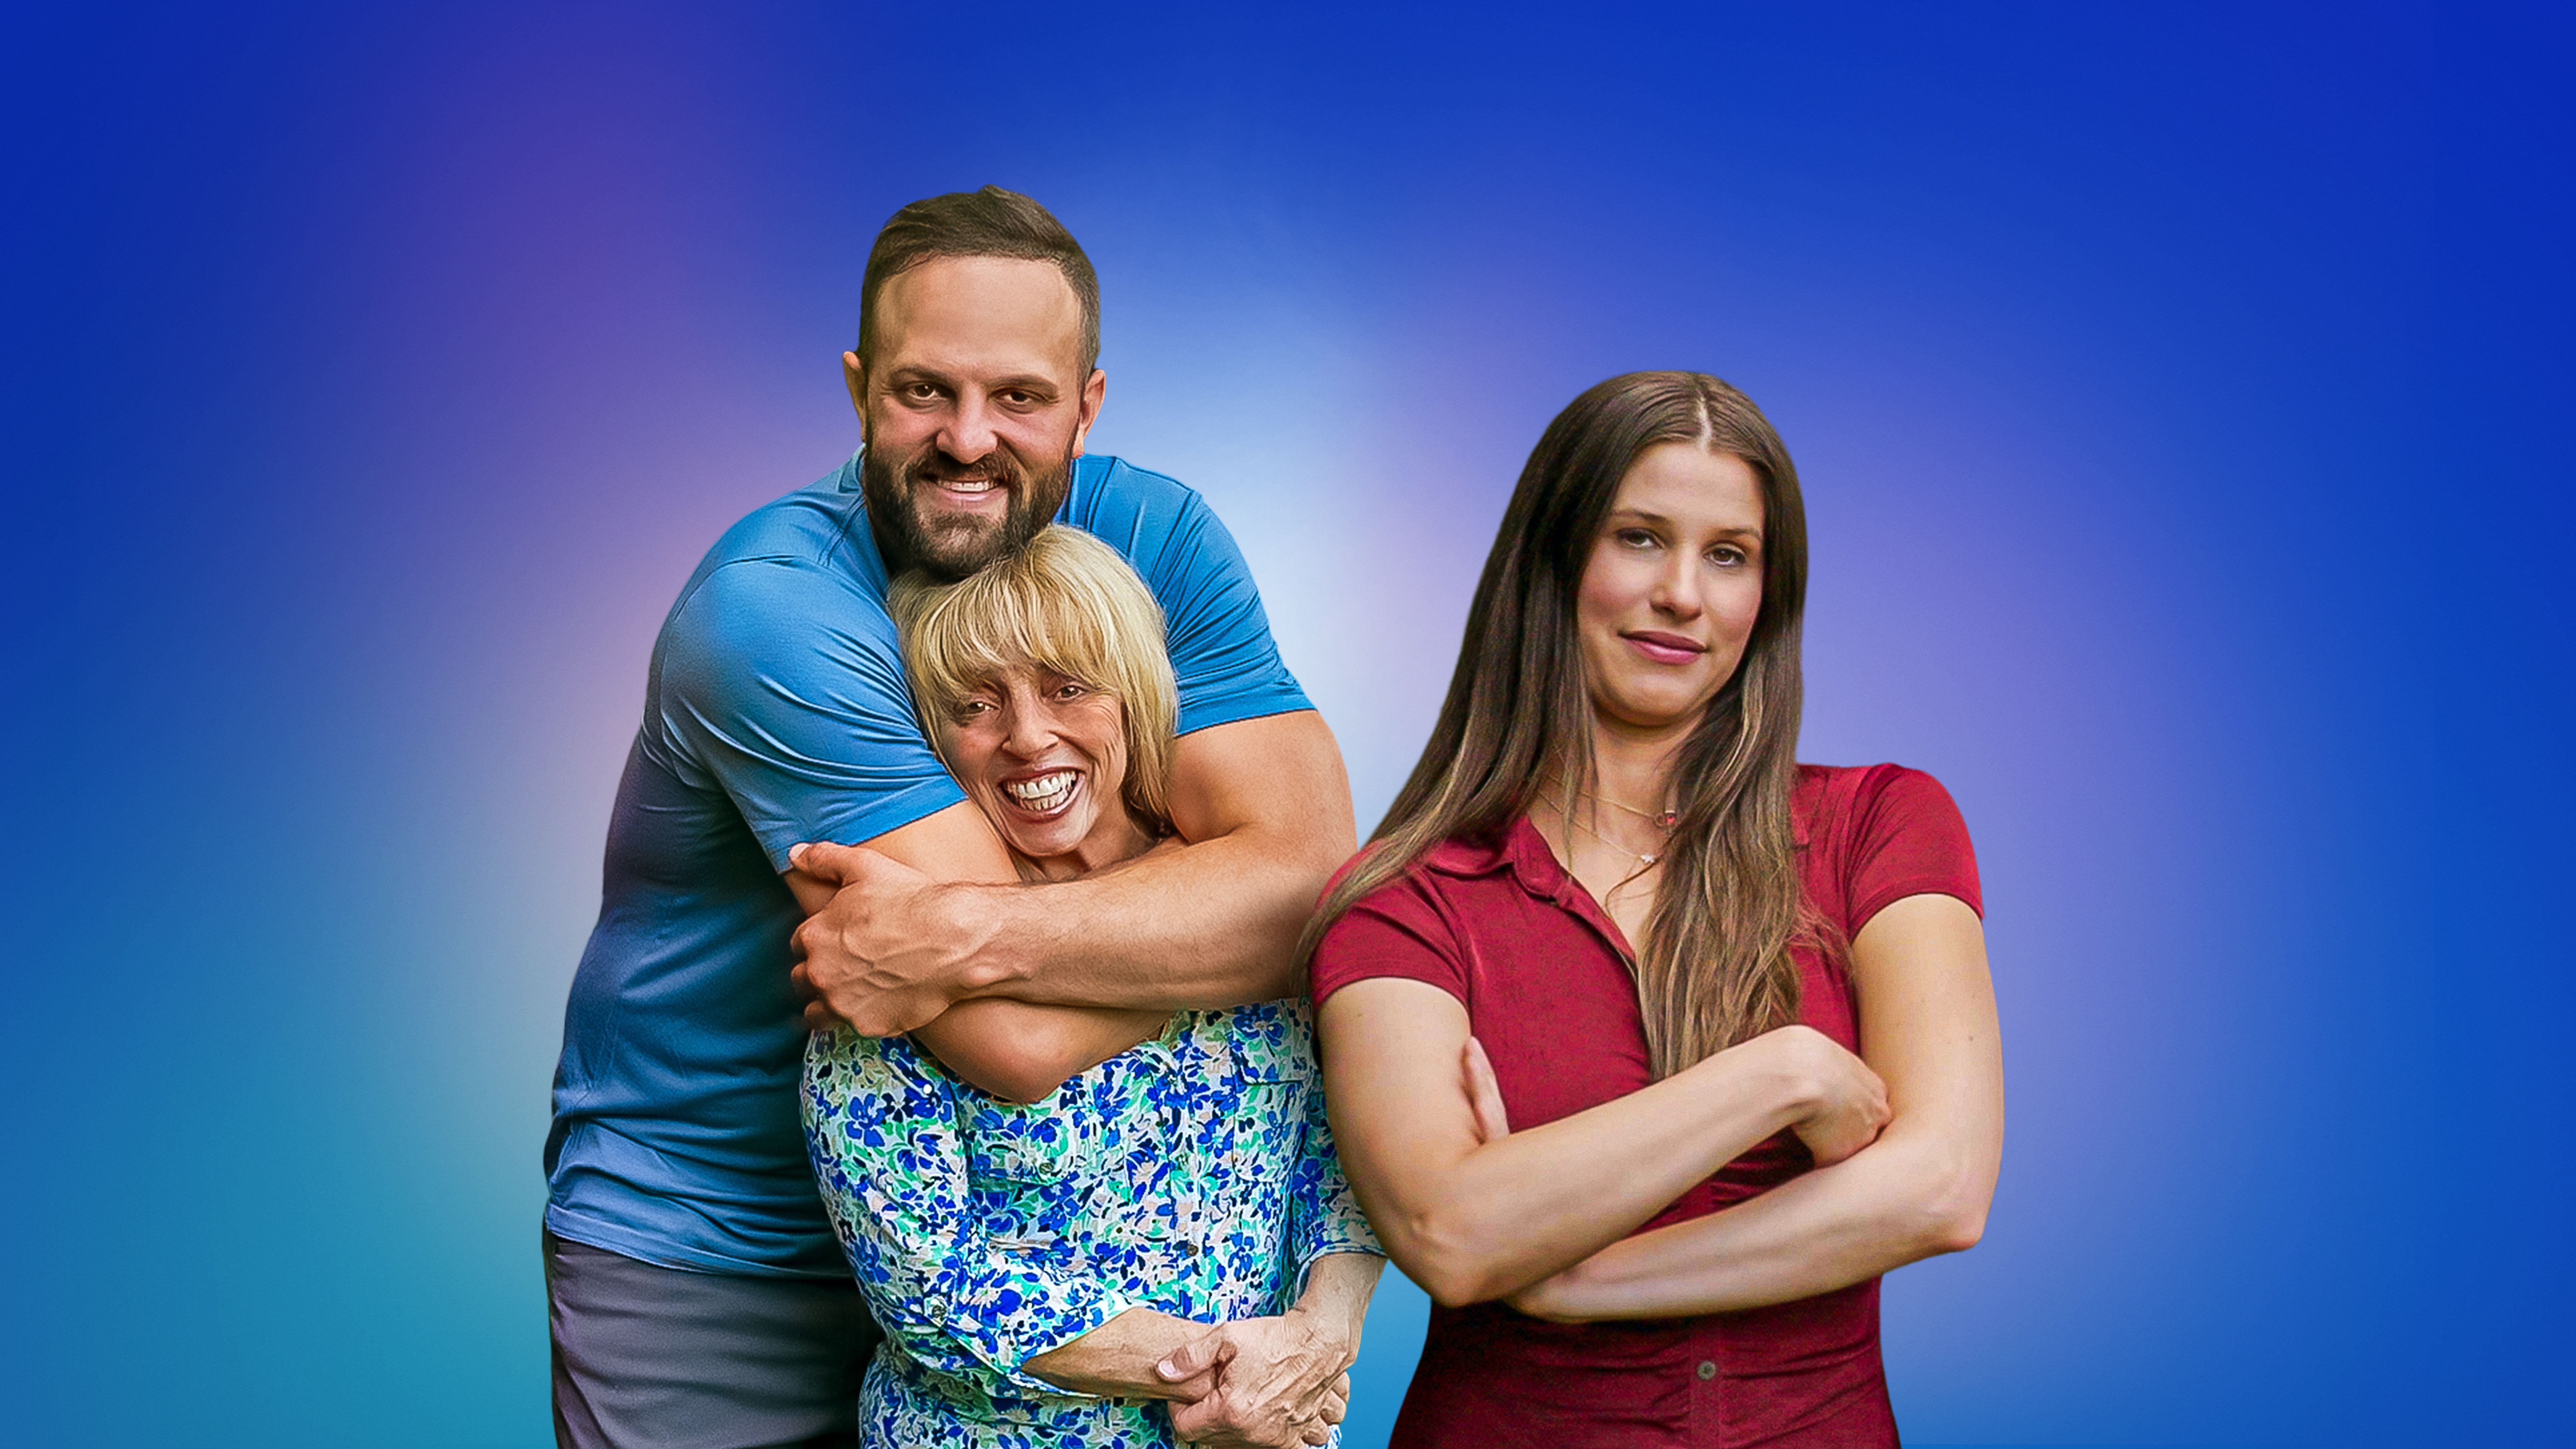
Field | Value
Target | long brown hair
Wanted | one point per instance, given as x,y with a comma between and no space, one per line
1716,966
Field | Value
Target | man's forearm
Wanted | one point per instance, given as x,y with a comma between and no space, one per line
918,923
1200,927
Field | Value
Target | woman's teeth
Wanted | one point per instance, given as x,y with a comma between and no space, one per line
1043,792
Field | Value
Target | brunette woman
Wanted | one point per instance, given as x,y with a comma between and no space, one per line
1591,999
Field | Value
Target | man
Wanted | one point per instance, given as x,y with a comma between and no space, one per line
697,1296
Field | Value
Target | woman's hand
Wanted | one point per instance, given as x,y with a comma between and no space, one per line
1850,1102
1280,1382
1484,1094
1284,1380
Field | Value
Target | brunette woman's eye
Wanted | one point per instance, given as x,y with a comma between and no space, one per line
1636,537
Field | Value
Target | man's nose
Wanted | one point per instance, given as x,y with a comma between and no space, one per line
969,433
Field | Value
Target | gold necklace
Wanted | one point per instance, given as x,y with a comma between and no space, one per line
1640,857
1661,819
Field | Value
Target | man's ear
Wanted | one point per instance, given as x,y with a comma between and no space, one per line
1089,410
854,375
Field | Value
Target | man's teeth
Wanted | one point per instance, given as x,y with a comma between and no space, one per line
970,485
1045,792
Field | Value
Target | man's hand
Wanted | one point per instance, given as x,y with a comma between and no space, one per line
1280,1382
889,950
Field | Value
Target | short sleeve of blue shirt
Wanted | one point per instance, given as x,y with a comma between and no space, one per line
785,687
1222,655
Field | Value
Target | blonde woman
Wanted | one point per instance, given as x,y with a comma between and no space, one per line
1170,1225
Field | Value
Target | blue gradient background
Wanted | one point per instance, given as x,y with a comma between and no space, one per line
2183,397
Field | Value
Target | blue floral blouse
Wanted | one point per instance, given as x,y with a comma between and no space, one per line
1192,1174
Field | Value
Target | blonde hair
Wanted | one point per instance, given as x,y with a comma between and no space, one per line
1068,603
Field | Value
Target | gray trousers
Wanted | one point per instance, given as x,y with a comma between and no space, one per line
647,1357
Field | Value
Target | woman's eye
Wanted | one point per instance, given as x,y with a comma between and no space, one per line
1726,554
1636,538
1069,690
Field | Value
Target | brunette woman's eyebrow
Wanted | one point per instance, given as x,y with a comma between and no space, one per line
1630,517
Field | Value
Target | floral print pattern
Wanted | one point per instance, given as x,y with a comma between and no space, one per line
1192,1174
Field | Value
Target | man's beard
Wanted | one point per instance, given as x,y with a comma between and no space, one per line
958,546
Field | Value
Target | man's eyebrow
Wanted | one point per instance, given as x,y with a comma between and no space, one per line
1027,382
1023,381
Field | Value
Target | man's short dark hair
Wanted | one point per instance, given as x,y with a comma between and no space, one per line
987,223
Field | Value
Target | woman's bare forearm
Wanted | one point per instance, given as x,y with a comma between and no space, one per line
1117,1359
1513,1211
1470,1219
1902,1199
1338,1289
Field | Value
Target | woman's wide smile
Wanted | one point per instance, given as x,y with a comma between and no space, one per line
1044,756
1042,794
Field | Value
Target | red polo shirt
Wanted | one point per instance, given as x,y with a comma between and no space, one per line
1500,925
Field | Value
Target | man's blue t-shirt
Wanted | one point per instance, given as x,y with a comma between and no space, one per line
776,713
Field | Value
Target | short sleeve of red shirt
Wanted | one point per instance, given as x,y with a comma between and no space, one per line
1881,834
1400,929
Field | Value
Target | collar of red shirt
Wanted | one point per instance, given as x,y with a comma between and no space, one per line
1519,848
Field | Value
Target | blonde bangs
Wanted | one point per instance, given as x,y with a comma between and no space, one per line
1066,603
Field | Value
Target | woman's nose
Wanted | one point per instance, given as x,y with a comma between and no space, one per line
1029,730
1677,590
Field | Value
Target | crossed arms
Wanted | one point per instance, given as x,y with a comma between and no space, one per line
1909,1144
